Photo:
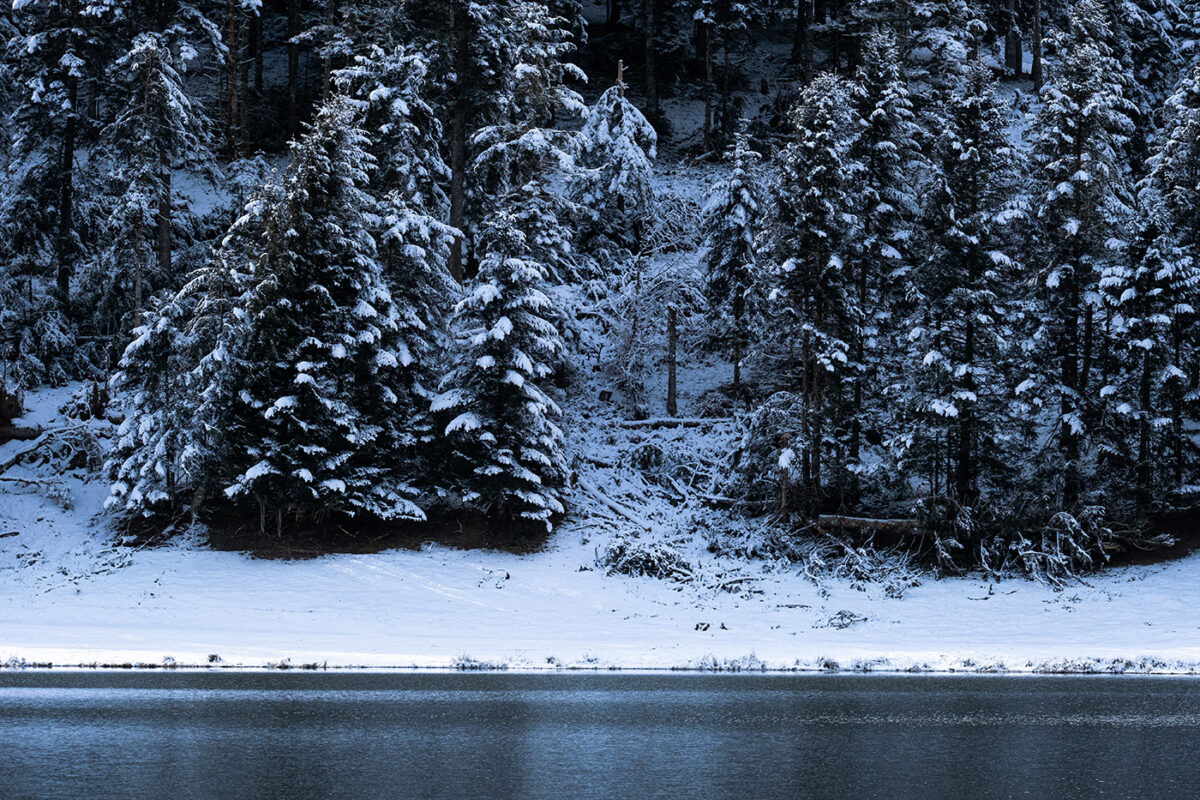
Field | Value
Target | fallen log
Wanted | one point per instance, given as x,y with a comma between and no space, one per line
10,433
866,524
674,422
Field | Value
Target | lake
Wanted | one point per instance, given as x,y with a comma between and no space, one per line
176,735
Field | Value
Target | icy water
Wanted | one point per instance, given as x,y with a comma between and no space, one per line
336,735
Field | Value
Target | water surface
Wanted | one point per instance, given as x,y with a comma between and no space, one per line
358,735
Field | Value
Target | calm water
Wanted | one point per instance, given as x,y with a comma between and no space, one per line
299,736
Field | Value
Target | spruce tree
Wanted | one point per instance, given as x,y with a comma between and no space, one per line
619,145
156,130
954,405
506,448
1080,208
888,151
811,231
316,409
731,219
1154,293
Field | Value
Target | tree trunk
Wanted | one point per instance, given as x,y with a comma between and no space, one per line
739,337
327,60
1013,56
293,66
614,12
256,38
1143,490
233,123
652,109
964,478
672,360
709,88
67,171
163,225
1036,42
458,140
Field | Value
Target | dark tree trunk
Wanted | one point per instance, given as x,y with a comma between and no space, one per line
293,57
327,60
66,248
1143,492
256,42
1036,42
672,360
232,42
458,140
163,226
1014,57
652,110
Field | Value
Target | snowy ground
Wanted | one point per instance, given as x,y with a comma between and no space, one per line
69,597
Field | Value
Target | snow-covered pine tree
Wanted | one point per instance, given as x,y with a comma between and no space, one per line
477,51
1154,292
55,50
506,449
731,220
889,152
619,145
313,426
408,186
146,463
54,54
954,421
1080,209
157,129
810,233
1174,168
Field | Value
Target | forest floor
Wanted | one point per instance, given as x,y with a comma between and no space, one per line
70,596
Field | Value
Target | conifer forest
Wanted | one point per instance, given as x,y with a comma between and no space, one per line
872,287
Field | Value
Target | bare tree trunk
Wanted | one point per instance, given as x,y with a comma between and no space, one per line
672,360
652,109
614,12
1013,56
327,60
458,141
66,200
1037,45
233,123
709,88
1143,491
256,38
293,56
163,225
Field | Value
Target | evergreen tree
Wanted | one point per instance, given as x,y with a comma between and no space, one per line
731,218
955,426
810,233
407,185
157,129
619,145
316,410
1081,206
146,463
505,444
1154,293
888,150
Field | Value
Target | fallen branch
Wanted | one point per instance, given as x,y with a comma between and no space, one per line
829,521
613,505
674,422
42,439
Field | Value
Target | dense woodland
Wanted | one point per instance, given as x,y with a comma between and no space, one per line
332,258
